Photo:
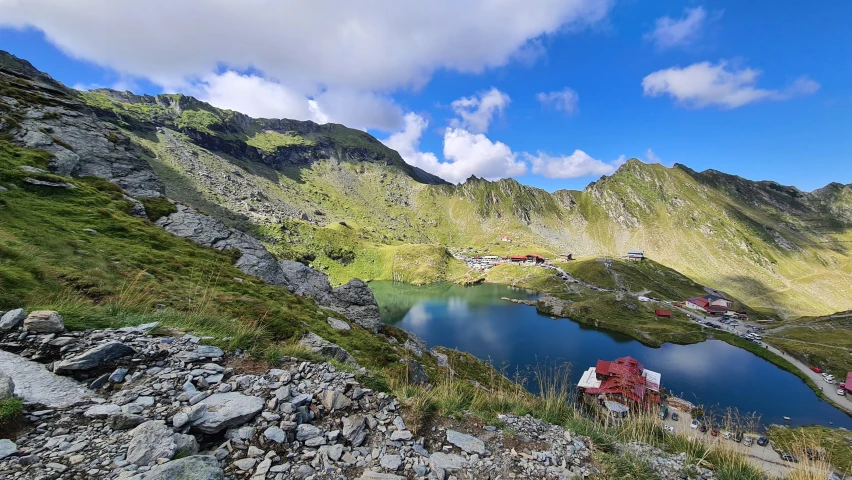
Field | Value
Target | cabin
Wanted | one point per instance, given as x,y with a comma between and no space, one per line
505,238
697,304
566,257
535,259
621,385
516,259
663,313
719,301
636,255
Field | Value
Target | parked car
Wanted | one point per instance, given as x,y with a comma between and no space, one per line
693,424
675,416
841,391
748,441
762,441
829,378
727,435
669,428
789,458
816,369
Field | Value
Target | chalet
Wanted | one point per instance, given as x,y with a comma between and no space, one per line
535,259
697,304
716,310
719,301
517,259
663,313
636,255
566,256
621,385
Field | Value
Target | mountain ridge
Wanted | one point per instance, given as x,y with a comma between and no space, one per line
338,199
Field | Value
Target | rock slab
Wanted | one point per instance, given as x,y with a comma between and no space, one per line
12,319
468,443
44,321
35,384
96,356
227,410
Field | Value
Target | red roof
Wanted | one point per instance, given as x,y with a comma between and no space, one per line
701,302
535,256
518,257
622,366
663,313
624,376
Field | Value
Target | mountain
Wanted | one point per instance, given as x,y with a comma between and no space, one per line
338,199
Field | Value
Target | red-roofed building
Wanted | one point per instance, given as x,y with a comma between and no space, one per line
518,258
716,310
697,303
624,381
663,313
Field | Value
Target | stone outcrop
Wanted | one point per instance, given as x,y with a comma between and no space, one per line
12,319
95,357
35,384
44,321
325,348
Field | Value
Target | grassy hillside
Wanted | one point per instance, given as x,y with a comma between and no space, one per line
822,341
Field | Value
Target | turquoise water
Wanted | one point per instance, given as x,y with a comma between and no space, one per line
712,373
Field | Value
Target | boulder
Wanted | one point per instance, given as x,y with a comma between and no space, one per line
44,321
125,421
303,280
446,461
150,441
35,384
7,447
210,351
417,373
338,324
355,300
95,357
7,386
227,410
325,348
12,319
334,400
306,432
196,467
275,434
354,430
391,462
468,443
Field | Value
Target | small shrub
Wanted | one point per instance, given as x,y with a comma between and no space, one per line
157,207
10,411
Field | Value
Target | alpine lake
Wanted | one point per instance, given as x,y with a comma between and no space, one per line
515,337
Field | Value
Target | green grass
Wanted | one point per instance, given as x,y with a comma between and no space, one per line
10,411
155,208
591,271
822,341
533,278
628,316
836,443
269,140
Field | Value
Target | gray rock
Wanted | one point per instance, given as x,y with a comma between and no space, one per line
303,280
126,421
117,376
447,461
275,434
338,324
417,373
226,410
44,321
245,463
334,400
12,319
180,419
101,411
401,435
136,208
306,431
150,441
335,452
42,183
210,351
391,462
468,443
325,348
354,430
185,445
7,447
356,301
7,386
370,475
96,357
35,384
196,467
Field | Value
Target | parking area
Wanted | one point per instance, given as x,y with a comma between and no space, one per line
762,456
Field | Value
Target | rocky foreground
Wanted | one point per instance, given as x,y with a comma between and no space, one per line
125,404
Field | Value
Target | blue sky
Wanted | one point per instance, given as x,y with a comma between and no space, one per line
554,94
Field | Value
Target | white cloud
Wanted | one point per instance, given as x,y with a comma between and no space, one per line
258,97
466,153
474,154
563,101
704,84
578,164
652,157
370,45
669,32
476,112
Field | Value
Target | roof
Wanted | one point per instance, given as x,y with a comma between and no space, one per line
701,302
622,366
535,256
518,257
636,252
589,379
663,313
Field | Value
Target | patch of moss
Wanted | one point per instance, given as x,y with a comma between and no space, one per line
269,140
157,207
